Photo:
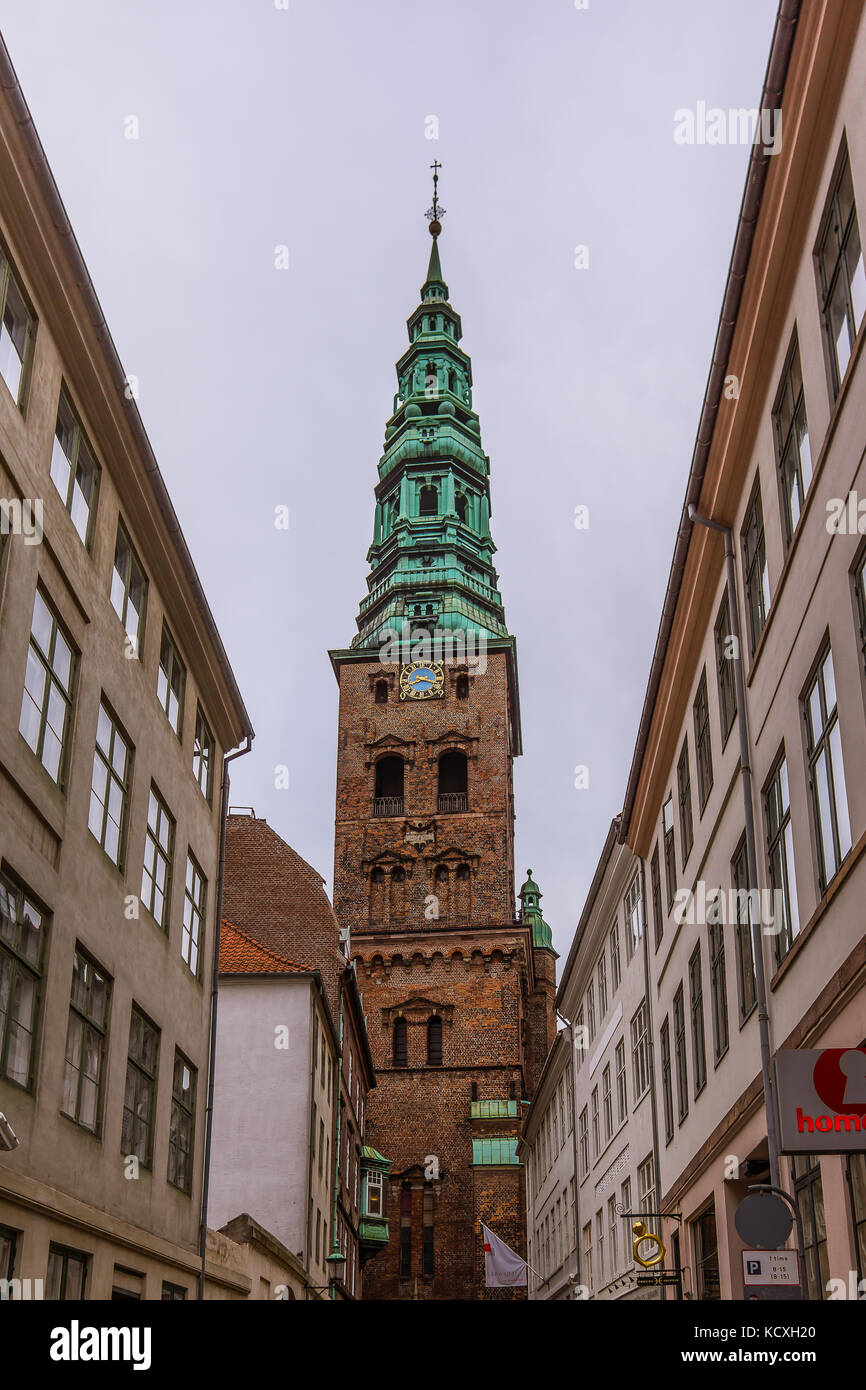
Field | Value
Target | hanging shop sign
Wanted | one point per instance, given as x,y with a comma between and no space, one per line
822,1100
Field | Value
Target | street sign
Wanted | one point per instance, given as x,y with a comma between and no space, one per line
657,1276
763,1219
771,1268
822,1100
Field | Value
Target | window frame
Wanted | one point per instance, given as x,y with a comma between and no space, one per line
205,761
166,673
756,574
696,1009
32,969
787,442
179,1105
725,671
8,272
112,779
51,681
195,910
79,438
97,1027
823,748
165,854
133,564
831,222
684,798
703,742
136,1065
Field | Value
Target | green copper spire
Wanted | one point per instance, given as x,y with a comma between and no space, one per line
431,561
530,912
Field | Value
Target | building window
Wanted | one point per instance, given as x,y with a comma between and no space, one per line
857,1187
8,1242
621,1084
633,916
667,1086
612,1222
780,850
684,786
680,1054
74,470
462,688
17,331
599,1245
453,782
596,1136
86,1038
840,273
194,900
755,567
590,1011
725,657
172,1293
640,1051
428,503
696,997
669,849
23,926
109,785
791,432
703,746
140,1093
646,1191
580,1039
128,589
718,986
67,1273
615,966
587,1255
170,681
656,881
406,1232
434,1041
607,1102
203,755
381,692
401,1050
601,976
46,706
809,1196
388,794
583,1141
826,772
625,1203
706,1255
182,1132
427,1259
158,853
373,1197
860,592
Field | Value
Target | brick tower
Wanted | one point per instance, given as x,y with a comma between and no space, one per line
458,987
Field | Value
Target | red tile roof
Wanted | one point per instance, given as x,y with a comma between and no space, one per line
241,954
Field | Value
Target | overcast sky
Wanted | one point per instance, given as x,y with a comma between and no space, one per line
306,126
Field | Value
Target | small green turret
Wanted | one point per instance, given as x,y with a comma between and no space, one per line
530,913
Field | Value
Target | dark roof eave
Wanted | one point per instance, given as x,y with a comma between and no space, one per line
771,99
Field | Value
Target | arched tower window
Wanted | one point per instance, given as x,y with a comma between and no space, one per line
434,1041
428,504
401,1047
460,505
381,692
452,381
389,787
462,687
453,782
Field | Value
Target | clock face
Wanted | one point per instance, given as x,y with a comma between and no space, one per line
422,680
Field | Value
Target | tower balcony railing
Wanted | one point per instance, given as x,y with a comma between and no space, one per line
388,806
449,802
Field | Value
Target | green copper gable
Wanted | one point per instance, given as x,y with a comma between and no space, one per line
431,561
530,912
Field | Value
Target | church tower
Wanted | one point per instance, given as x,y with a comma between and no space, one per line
457,984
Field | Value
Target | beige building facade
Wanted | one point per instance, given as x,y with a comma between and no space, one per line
117,704
780,462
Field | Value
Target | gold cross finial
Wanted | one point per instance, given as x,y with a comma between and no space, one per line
435,213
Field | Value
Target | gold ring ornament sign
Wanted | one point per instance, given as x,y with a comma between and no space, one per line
422,680
641,1235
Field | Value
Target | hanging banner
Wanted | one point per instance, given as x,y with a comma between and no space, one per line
822,1100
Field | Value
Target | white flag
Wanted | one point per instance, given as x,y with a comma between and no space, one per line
502,1266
